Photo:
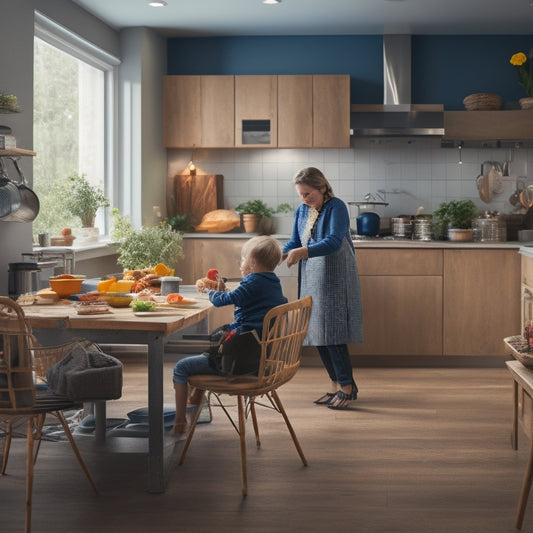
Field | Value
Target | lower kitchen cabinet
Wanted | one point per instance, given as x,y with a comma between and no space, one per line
438,302
401,293
481,300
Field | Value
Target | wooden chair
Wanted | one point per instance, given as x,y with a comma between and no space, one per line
284,329
19,398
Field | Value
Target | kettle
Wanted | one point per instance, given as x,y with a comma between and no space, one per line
368,224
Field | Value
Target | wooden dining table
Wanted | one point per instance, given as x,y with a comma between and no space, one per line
60,322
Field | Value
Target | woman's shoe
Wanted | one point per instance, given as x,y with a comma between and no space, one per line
325,399
342,399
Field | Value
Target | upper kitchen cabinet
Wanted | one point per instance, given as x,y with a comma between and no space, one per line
314,111
198,111
256,111
295,111
331,111
488,125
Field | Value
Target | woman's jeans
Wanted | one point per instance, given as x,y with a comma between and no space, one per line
336,359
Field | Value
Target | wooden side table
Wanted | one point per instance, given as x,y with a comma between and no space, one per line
523,416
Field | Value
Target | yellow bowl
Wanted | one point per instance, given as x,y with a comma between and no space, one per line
65,287
118,299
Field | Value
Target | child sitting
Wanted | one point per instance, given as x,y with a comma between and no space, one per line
258,292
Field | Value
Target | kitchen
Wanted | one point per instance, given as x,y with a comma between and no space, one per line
413,172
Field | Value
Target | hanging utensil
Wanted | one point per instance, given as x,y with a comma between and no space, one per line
514,199
9,195
29,205
495,178
526,197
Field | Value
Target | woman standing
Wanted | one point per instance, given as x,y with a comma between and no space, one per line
322,245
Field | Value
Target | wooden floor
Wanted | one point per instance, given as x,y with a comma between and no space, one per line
422,450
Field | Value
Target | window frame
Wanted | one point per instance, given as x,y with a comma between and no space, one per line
69,42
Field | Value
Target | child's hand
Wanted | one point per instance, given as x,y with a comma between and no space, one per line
200,286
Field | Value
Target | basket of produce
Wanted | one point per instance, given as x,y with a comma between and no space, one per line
518,347
482,102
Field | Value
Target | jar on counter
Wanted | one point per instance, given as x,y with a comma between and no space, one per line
170,284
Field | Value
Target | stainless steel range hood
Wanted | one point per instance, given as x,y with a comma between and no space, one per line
397,116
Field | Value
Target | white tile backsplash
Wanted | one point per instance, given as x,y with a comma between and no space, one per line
412,172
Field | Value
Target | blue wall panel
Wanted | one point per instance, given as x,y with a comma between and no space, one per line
359,56
445,68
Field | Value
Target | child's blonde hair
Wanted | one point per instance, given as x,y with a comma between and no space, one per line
265,250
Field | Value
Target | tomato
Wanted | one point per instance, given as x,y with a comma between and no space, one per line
174,298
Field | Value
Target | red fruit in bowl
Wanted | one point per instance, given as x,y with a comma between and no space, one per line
212,274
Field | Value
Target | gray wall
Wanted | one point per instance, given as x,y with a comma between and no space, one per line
140,154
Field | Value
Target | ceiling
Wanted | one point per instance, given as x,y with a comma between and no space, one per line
189,18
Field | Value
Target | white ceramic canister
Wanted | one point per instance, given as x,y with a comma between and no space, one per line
170,284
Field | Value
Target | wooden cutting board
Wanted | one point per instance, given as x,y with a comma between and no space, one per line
197,195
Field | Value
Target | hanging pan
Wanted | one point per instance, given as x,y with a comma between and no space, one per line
9,195
29,203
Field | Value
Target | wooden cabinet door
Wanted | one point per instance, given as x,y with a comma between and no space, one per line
331,111
218,111
295,111
182,126
401,293
481,300
256,99
490,125
402,315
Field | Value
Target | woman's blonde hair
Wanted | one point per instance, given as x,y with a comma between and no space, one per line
314,178
265,250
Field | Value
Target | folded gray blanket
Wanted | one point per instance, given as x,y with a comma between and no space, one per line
86,374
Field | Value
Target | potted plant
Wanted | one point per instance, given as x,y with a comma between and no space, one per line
251,213
84,199
146,247
283,219
8,103
454,220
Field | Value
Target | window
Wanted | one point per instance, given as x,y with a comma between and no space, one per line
73,122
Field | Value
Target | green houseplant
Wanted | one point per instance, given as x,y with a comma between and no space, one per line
455,215
84,200
252,212
283,219
146,247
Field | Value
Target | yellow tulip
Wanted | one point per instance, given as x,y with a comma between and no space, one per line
518,59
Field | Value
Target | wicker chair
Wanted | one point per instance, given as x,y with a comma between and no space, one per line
19,398
284,329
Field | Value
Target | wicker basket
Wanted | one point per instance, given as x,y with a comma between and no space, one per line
518,347
482,102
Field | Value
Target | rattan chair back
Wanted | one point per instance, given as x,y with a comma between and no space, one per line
284,330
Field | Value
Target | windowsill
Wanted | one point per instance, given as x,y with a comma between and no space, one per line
81,252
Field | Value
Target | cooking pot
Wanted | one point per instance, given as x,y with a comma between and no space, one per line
23,278
368,224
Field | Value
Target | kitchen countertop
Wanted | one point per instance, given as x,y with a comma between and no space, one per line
382,243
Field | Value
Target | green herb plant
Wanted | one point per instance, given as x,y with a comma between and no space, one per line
456,214
254,207
147,246
284,208
9,102
181,223
84,199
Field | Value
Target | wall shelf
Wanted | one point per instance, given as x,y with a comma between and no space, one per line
13,152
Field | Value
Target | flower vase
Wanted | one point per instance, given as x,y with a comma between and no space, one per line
87,235
526,103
